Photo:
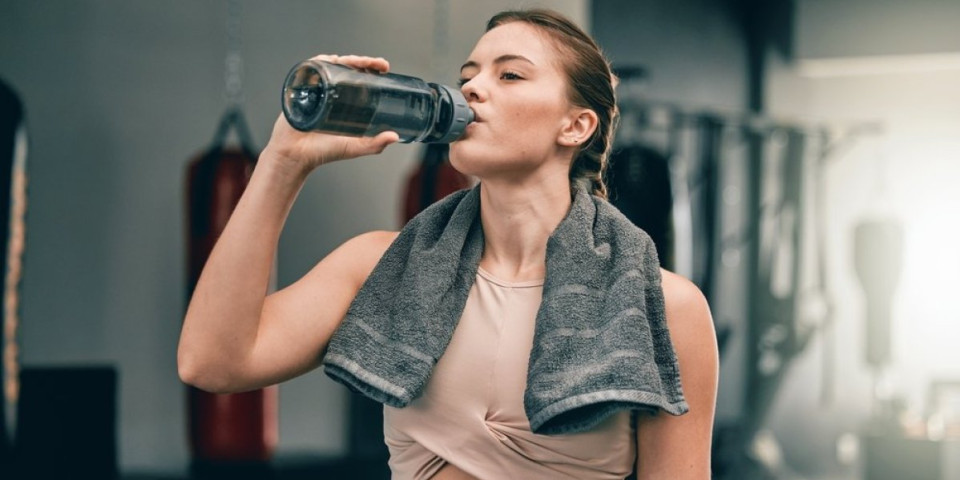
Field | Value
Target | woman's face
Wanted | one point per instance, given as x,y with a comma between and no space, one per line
514,83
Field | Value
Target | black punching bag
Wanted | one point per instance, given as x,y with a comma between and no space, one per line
638,179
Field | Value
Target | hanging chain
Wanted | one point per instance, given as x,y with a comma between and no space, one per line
441,40
233,66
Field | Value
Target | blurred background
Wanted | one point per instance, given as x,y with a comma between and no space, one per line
797,158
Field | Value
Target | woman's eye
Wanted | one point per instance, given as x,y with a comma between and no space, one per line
503,76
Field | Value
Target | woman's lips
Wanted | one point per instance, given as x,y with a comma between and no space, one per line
475,121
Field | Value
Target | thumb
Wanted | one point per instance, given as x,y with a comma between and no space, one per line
380,142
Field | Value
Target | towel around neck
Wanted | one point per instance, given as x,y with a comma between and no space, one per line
600,343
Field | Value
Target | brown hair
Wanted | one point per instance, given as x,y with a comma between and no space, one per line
590,85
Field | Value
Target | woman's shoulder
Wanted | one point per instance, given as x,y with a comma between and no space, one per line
375,242
686,306
371,244
679,290
363,251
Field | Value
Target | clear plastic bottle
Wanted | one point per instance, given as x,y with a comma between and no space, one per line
335,98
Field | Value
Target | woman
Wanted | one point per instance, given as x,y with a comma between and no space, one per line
543,97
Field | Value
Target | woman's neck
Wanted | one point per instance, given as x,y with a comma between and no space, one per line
518,218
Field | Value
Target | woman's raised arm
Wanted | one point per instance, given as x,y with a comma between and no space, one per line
234,337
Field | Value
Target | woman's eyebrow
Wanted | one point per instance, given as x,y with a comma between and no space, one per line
498,60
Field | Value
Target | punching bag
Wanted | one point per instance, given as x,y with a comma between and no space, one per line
433,179
239,427
638,180
878,261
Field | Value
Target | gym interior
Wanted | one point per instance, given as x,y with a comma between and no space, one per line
800,160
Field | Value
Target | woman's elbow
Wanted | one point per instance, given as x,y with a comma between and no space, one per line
188,370
202,375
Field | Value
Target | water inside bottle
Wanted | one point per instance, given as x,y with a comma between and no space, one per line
365,110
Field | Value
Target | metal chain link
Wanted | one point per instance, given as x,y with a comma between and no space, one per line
441,40
233,65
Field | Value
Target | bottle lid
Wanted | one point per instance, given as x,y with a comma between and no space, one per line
454,117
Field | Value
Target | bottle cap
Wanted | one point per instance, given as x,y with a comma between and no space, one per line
454,116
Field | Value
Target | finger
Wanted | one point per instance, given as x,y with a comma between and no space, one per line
378,64
365,63
386,138
383,139
374,145
326,58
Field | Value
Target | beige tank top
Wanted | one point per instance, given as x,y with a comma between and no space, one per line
471,411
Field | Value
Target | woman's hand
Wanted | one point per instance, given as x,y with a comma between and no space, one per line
304,151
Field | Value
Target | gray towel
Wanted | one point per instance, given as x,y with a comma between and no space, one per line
600,344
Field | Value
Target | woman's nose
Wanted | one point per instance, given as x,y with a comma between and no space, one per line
471,90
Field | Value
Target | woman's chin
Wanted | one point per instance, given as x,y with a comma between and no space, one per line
461,160
463,150
471,161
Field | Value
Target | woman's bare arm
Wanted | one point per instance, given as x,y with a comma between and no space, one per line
678,447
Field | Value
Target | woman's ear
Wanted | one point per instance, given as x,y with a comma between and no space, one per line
579,127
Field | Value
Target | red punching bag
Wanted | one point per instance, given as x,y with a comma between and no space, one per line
239,427
433,179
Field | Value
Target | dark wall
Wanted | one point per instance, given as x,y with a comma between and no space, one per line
693,49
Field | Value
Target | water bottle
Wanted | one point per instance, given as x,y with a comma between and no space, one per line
335,98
